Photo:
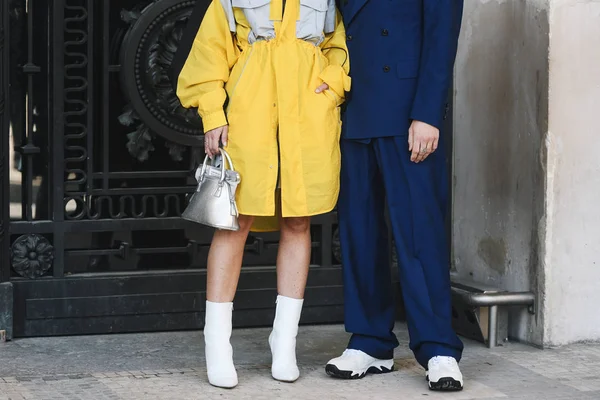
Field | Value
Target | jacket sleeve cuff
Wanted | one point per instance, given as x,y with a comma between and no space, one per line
337,79
213,120
428,112
428,119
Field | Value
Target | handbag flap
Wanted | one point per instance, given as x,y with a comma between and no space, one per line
215,173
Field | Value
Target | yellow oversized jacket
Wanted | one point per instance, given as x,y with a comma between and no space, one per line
255,66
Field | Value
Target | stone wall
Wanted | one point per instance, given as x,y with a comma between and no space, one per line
500,123
527,169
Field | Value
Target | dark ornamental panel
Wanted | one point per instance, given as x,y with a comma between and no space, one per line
96,163
146,56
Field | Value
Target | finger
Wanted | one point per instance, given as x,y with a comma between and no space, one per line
219,140
214,142
206,145
429,149
416,147
419,151
423,153
322,88
410,138
435,145
209,145
225,135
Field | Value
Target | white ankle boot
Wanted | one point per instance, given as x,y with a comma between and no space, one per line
218,350
283,339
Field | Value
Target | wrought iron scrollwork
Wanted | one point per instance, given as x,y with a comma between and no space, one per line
31,256
76,90
146,55
128,206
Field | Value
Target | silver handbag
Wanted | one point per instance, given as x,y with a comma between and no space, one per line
213,203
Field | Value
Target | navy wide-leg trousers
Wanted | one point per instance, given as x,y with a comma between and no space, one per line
377,173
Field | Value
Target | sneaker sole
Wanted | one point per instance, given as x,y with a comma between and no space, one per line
446,385
333,371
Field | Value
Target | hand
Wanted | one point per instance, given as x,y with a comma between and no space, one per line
422,140
212,139
322,88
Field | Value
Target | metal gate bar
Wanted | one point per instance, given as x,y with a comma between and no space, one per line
4,151
56,136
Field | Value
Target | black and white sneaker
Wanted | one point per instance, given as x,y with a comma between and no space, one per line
443,374
355,364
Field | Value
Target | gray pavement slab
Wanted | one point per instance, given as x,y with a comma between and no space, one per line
171,366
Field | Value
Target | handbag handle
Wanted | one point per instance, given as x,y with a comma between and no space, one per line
223,169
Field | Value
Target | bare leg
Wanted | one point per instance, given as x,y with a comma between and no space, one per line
292,271
225,261
293,258
224,265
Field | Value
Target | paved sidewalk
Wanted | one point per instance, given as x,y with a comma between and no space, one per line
171,366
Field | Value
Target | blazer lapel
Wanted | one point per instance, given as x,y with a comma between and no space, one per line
351,8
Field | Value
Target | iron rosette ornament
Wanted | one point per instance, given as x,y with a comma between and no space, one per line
31,256
147,51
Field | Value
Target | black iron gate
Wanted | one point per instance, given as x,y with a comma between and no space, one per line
96,159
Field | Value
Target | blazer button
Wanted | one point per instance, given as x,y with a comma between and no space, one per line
384,32
349,38
386,68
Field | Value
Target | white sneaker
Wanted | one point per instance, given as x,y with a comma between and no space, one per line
443,374
355,364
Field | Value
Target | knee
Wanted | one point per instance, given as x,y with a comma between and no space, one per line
295,225
245,222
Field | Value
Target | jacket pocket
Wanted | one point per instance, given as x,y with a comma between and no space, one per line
333,97
409,68
312,19
257,12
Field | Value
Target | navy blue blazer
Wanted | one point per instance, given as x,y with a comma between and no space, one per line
401,61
